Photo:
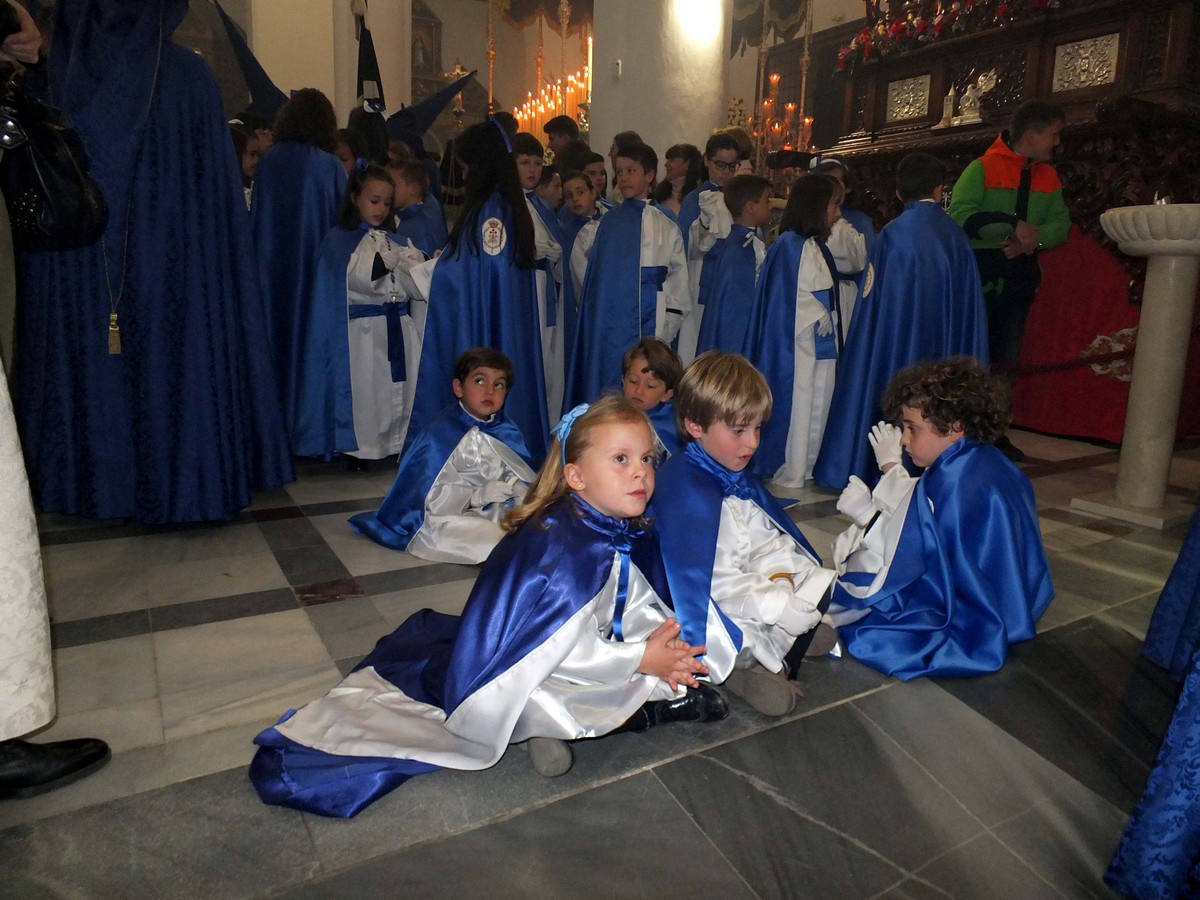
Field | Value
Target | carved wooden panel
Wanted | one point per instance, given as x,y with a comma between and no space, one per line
1154,56
1010,65
908,98
1087,63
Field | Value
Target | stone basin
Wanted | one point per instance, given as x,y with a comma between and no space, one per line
1172,229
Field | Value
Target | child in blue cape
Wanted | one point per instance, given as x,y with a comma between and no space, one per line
362,335
460,476
409,216
939,574
567,634
649,372
745,581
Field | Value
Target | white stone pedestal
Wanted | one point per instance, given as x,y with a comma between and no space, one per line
1170,236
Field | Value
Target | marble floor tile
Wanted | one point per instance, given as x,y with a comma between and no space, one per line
1085,577
218,609
1067,607
427,575
1133,615
132,772
104,674
1069,841
997,780
123,726
1131,560
1066,538
841,772
241,671
341,485
552,852
447,597
1058,489
359,554
350,627
310,565
1042,446
213,751
99,628
984,869
201,839
270,499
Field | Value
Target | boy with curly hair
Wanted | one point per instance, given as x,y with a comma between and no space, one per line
939,574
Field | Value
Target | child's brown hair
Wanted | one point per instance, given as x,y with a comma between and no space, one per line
951,391
661,361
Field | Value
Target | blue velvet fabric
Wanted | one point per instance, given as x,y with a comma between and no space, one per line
617,305
185,421
481,299
1174,633
297,191
969,576
689,489
403,511
727,285
926,303
1159,854
770,343
534,581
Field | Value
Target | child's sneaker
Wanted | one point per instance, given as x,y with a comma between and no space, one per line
550,756
767,692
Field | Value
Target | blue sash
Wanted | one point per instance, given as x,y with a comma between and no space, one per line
395,337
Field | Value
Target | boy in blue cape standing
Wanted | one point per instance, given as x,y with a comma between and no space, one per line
460,475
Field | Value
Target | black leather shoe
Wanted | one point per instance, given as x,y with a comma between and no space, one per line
699,704
27,770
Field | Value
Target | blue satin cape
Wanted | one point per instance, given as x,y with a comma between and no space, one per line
688,492
480,300
926,304
969,576
861,222
297,191
184,423
770,342
400,517
413,223
727,285
534,581
435,216
662,417
617,306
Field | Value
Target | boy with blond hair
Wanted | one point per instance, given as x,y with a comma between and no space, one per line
725,538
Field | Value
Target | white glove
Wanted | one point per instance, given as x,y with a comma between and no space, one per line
411,256
491,492
855,502
885,441
845,544
825,324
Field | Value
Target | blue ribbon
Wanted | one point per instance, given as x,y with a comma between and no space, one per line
622,544
733,484
562,430
653,279
551,291
395,336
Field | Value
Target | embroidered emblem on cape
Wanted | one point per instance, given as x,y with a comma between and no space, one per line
494,236
869,279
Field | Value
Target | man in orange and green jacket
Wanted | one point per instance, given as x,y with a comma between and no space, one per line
1010,203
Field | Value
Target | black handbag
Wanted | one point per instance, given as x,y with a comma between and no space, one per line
53,202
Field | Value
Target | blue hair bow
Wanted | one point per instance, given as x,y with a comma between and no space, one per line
362,163
562,430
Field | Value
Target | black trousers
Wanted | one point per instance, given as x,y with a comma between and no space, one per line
1008,289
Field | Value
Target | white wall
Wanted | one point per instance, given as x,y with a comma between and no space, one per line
673,58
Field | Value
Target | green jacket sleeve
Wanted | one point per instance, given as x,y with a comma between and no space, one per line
1053,231
966,199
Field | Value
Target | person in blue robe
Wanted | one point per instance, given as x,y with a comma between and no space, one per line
144,390
362,340
481,291
795,334
461,475
925,303
410,219
1159,854
728,542
731,266
298,188
635,284
650,370
567,634
941,573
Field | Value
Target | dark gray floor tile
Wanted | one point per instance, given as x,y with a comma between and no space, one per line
1068,842
309,565
838,769
1024,706
1065,608
346,666
350,627
342,506
813,510
99,628
999,778
417,576
291,533
1140,558
772,838
1104,526
1088,581
275,513
1099,669
1133,615
323,592
651,847
983,869
219,609
210,837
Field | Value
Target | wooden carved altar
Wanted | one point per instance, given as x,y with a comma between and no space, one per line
1127,75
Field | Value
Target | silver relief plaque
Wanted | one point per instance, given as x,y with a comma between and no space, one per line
908,98
1089,63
